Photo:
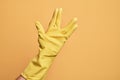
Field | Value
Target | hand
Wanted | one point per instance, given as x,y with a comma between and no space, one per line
54,38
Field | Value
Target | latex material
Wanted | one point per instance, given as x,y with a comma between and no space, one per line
50,43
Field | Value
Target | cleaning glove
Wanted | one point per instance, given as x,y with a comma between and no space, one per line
50,43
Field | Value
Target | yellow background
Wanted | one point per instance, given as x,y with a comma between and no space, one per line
91,53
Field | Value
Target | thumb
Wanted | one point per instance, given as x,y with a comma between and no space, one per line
39,27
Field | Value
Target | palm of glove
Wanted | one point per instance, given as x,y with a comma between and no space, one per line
55,37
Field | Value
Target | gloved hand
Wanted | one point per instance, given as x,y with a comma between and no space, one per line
50,43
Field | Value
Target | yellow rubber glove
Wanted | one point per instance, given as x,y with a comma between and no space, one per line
50,43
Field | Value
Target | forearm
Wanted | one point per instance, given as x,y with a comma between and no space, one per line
38,67
20,78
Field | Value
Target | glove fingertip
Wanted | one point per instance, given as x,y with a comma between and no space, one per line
39,26
37,23
75,19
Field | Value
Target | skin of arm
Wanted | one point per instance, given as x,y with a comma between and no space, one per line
20,78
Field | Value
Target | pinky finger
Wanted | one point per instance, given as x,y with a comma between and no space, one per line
71,30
